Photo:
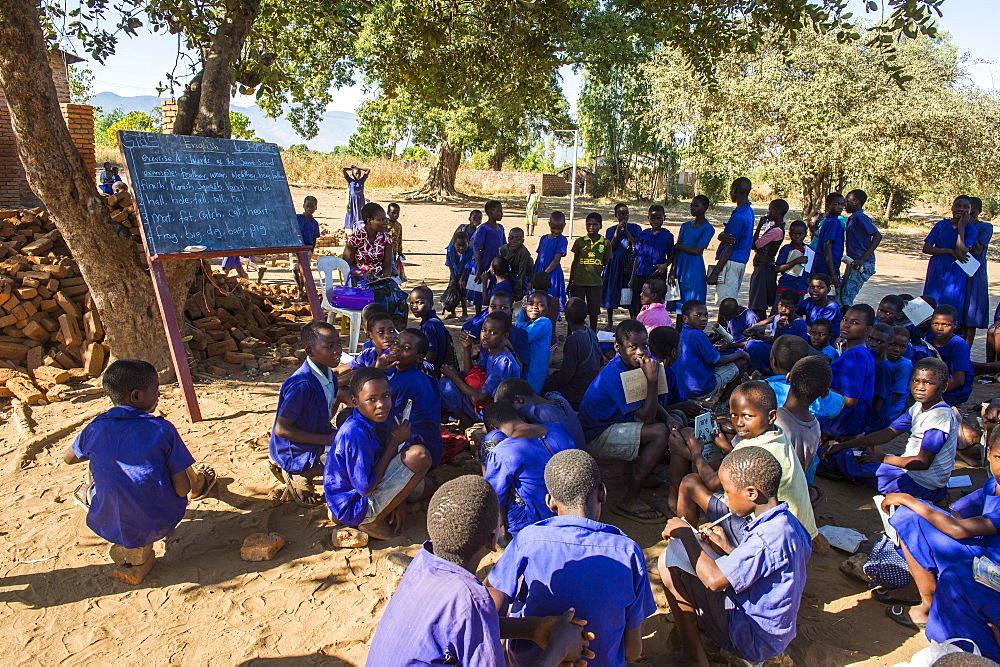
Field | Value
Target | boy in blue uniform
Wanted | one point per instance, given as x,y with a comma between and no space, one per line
860,241
878,342
515,465
747,597
735,242
830,249
786,266
302,423
853,374
465,397
819,305
954,352
665,346
411,382
518,340
367,478
440,351
309,228
535,409
654,254
617,429
785,322
139,466
582,355
703,372
441,614
541,570
899,390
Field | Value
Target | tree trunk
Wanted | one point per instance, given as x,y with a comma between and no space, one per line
440,183
497,158
888,204
187,107
120,287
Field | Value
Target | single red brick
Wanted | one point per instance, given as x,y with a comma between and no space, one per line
261,546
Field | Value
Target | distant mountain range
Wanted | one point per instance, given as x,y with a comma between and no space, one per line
334,130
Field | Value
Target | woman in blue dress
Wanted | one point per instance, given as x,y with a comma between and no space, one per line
977,298
355,177
692,239
619,269
486,244
949,243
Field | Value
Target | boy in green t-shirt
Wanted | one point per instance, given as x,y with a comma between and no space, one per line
591,254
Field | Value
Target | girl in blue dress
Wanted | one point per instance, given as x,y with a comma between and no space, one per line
977,298
551,250
692,239
618,270
486,244
949,243
355,177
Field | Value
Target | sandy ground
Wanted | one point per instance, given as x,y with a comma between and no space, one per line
312,604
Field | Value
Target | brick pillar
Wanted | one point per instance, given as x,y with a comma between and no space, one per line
169,109
80,121
11,173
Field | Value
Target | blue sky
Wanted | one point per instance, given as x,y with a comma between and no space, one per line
140,63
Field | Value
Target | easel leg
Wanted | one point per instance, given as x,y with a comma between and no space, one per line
177,354
305,267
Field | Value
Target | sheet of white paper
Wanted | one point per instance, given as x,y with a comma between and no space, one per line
473,286
605,336
890,532
917,311
811,254
677,556
845,539
970,266
798,268
959,482
634,384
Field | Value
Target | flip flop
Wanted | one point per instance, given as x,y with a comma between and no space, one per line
306,499
81,496
208,473
901,615
884,595
644,514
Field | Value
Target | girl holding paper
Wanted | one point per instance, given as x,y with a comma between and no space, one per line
948,245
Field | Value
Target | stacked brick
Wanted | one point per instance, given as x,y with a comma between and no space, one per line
80,122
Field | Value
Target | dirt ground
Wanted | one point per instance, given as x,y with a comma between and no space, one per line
312,604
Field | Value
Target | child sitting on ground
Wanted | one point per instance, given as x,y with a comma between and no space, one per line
582,357
929,457
808,382
753,410
818,303
541,569
464,397
412,382
302,423
878,342
853,374
785,322
703,372
518,340
381,330
902,367
535,409
541,282
461,261
665,346
440,350
539,330
442,614
785,353
890,310
367,478
737,319
519,259
515,466
954,352
617,429
142,473
820,334
747,597
501,272
654,312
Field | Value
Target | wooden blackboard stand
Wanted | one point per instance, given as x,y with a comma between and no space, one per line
198,197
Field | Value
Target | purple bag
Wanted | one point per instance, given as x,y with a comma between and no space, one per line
354,298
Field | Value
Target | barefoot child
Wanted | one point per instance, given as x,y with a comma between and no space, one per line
551,250
142,472
531,210
540,569
460,260
302,424
367,478
411,382
591,253
744,597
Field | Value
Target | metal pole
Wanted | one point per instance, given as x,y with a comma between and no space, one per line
572,190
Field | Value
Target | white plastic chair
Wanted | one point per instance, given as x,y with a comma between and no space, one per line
326,265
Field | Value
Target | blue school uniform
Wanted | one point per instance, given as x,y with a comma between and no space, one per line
956,354
541,571
830,352
349,476
690,269
858,236
618,270
414,384
604,404
740,225
696,363
853,377
515,469
946,281
767,574
438,339
498,368
487,240
502,286
787,281
830,230
561,412
810,312
461,265
883,387
132,455
653,248
828,406
440,614
539,339
741,323
963,608
308,228
306,401
675,392
366,357
901,371
548,248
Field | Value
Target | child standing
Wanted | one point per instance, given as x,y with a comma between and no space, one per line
766,243
747,598
977,298
309,228
486,244
411,382
853,374
702,371
878,342
440,349
688,270
539,329
538,570
654,312
515,467
733,252
531,210
819,305
139,466
302,423
519,259
791,268
591,253
860,241
954,352
461,261
618,272
948,244
355,177
582,356
830,249
551,250
465,397
367,478
654,253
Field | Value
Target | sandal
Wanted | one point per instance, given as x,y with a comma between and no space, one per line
885,596
81,495
207,473
639,512
305,498
901,615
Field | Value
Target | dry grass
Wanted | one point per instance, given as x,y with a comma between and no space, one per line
107,154
325,171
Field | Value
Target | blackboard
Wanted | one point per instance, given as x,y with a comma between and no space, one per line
208,196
